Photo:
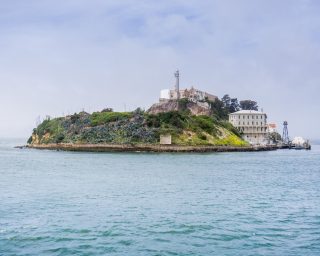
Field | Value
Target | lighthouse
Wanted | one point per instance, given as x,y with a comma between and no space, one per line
177,76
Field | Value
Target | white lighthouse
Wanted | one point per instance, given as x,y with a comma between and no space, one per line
177,76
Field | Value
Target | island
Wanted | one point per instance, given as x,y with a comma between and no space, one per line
172,131
184,120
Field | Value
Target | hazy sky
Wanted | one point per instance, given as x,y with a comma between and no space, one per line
62,56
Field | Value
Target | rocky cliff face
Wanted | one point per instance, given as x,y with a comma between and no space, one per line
172,105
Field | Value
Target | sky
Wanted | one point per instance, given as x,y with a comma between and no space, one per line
58,57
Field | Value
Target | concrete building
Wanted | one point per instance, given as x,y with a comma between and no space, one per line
192,94
272,127
252,124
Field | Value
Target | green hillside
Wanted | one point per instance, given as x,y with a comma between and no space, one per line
138,127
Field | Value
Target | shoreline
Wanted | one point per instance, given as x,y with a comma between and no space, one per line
146,148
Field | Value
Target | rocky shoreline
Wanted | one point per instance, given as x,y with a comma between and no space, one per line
146,148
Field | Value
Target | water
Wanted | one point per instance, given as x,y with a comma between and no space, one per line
61,203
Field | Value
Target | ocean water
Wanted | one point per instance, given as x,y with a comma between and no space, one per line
63,203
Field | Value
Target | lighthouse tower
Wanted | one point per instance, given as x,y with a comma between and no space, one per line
177,76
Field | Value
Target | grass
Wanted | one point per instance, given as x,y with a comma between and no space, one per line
100,118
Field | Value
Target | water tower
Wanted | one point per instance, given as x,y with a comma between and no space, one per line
285,133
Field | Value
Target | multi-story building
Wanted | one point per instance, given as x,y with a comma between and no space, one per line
252,124
192,94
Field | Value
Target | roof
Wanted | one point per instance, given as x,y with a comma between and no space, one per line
248,112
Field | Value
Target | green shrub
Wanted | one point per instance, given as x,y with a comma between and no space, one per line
29,140
202,137
100,118
49,126
205,123
59,138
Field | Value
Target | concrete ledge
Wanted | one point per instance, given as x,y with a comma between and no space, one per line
147,148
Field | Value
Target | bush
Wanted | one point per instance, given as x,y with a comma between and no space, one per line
100,118
29,140
202,137
59,138
206,123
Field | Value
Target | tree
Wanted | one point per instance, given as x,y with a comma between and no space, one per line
219,110
230,104
234,106
274,137
249,105
226,100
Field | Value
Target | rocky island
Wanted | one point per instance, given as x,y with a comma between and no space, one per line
187,120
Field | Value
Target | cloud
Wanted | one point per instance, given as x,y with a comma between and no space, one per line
62,56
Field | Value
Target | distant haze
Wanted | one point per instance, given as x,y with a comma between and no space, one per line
60,57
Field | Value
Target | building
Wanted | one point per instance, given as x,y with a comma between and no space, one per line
252,124
192,94
272,127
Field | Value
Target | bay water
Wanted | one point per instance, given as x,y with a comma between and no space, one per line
66,203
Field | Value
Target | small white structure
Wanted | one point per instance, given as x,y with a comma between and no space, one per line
252,124
165,139
272,127
298,141
165,94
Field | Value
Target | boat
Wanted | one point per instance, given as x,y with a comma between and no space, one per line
300,143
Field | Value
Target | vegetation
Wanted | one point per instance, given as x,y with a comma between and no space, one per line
222,108
274,137
100,118
249,105
137,127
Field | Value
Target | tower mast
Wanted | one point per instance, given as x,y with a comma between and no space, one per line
177,76
285,133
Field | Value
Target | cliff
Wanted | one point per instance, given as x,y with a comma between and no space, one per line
172,105
138,127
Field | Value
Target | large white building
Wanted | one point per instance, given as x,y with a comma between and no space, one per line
192,94
252,124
